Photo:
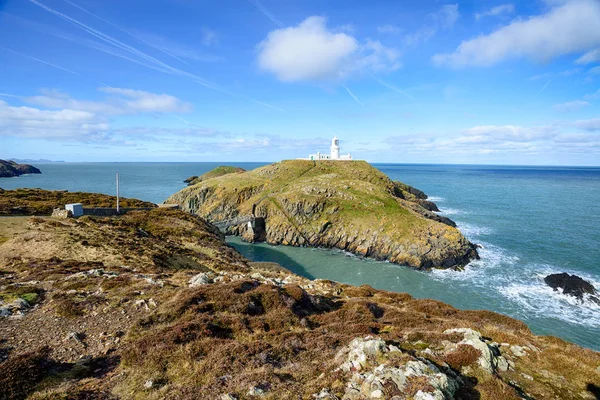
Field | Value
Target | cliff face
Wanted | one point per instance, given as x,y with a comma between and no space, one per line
347,205
10,169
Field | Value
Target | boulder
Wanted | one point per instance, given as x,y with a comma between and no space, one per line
572,285
201,279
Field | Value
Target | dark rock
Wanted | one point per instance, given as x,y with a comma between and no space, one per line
190,179
428,205
572,285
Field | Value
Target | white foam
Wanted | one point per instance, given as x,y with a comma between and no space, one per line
452,211
537,298
471,230
436,199
479,272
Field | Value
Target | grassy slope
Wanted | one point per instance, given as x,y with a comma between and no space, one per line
42,202
214,173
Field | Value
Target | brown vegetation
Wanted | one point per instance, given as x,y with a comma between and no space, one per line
122,302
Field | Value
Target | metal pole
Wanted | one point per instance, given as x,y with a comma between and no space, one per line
117,193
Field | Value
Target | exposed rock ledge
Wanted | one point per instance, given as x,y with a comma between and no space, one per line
347,205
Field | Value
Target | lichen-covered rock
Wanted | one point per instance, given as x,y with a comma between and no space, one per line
202,278
376,376
490,358
346,205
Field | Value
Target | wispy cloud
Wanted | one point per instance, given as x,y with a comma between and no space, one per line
496,11
124,30
266,12
389,29
444,18
120,101
209,37
352,95
570,106
138,56
394,88
42,61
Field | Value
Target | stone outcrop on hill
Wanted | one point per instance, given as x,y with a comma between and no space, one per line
10,169
347,205
155,305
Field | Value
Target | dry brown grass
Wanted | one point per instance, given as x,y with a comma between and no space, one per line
463,356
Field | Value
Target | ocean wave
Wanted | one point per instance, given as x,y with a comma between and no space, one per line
538,299
452,211
471,230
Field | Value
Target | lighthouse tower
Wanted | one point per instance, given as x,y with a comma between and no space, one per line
335,149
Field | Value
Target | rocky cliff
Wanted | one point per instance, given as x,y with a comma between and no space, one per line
10,169
347,205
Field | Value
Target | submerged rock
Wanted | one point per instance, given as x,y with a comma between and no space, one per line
573,285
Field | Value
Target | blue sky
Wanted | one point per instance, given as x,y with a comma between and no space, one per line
488,82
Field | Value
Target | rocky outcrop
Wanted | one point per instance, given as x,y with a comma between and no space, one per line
375,376
10,169
346,205
573,285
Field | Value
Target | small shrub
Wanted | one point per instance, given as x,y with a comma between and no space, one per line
20,374
463,356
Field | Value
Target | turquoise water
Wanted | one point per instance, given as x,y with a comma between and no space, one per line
532,221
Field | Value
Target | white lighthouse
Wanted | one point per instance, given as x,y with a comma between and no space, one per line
334,154
335,148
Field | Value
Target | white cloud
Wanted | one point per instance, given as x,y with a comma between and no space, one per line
310,51
569,28
510,133
389,29
496,11
120,101
589,57
141,101
570,106
66,124
588,124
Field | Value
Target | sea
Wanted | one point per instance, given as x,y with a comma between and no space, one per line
531,221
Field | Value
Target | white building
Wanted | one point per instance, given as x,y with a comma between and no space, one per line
333,155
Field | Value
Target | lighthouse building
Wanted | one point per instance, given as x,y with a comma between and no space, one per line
333,155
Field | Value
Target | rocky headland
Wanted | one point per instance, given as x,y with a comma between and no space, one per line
9,169
346,205
154,304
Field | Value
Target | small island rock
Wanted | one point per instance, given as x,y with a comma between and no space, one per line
572,285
